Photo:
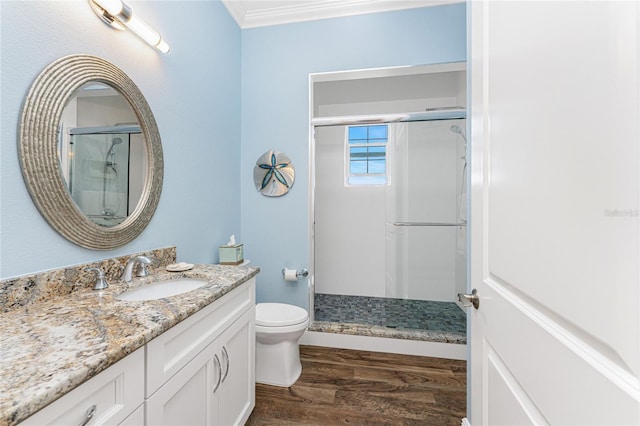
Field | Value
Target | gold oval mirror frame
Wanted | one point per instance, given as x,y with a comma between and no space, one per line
38,151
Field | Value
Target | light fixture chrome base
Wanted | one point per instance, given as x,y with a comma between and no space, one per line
110,20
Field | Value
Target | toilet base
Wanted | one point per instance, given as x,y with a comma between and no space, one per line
278,364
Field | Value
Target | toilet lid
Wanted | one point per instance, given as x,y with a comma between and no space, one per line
279,314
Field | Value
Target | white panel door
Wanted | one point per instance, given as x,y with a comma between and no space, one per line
555,225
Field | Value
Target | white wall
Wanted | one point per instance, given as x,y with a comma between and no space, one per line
95,111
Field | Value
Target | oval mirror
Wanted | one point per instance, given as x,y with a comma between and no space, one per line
90,152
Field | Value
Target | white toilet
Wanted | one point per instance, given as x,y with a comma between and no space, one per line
278,328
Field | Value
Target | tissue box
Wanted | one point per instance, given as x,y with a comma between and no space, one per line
231,255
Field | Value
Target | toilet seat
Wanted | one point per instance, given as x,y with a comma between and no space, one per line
279,315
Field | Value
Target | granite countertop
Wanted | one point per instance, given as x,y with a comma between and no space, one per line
50,347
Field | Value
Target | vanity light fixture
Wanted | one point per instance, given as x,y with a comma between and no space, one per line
118,15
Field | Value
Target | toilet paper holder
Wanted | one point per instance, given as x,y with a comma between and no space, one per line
300,273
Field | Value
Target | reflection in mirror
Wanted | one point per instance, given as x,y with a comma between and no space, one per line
102,154
104,171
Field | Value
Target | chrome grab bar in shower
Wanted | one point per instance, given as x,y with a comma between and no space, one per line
428,224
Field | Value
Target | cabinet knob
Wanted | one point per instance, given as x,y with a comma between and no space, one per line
89,415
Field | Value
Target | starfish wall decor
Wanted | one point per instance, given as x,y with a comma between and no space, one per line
273,174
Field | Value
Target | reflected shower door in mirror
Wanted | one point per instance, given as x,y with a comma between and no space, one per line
102,154
104,167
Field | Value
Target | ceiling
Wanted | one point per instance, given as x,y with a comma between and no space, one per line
260,13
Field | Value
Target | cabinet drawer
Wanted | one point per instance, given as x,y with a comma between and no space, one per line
115,393
172,350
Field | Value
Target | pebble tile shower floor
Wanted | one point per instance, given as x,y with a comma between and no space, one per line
397,315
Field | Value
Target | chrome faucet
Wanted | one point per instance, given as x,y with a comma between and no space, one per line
101,282
127,276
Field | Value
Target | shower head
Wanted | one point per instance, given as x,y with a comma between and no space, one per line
456,129
114,142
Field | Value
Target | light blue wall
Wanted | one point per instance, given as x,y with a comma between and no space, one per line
194,93
276,63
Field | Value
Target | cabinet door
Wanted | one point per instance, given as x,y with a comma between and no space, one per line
186,399
236,395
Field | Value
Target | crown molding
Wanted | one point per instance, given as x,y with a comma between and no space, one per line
237,10
251,14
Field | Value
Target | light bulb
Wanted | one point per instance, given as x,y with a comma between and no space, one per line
146,33
121,14
143,30
162,46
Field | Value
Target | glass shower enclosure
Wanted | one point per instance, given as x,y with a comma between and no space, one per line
99,175
393,254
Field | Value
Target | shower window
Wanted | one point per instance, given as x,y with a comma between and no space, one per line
366,155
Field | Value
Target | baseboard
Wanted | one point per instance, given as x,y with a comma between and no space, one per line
383,344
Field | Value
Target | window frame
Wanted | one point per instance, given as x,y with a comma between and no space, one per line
367,179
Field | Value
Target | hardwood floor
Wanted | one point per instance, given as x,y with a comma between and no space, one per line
340,386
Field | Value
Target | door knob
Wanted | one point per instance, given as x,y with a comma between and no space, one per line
469,299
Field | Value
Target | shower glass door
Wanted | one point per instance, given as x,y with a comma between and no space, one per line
99,176
426,211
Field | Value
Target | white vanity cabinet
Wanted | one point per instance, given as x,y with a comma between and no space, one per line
113,397
202,371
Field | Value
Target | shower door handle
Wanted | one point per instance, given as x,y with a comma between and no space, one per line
469,299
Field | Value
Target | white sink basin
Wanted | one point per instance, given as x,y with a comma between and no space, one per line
162,289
